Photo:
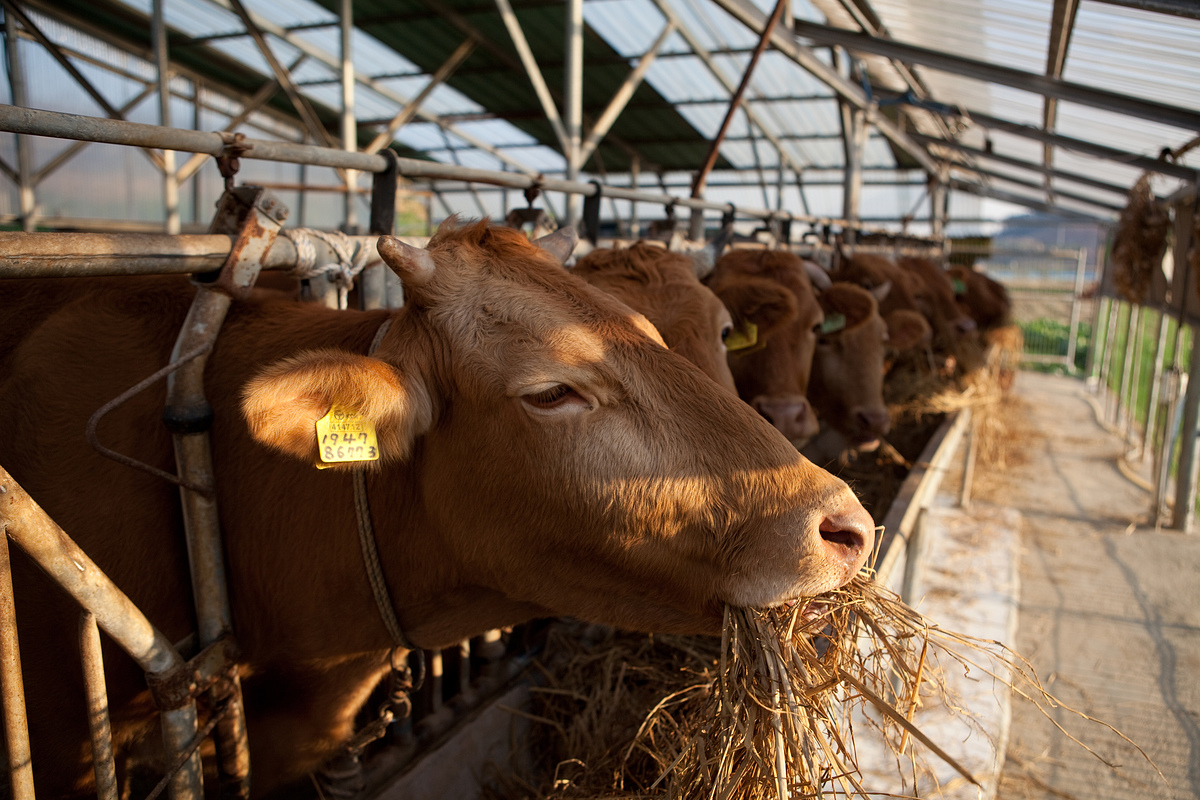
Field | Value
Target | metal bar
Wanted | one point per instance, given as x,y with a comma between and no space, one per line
1041,186
735,102
622,96
349,125
405,115
1106,364
1151,417
1076,296
162,66
70,126
16,81
1016,199
1126,363
1017,162
785,41
1004,76
1062,24
572,99
12,685
1129,159
1130,372
1189,445
46,543
1176,8
97,707
513,25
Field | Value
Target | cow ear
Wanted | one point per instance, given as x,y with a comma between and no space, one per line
283,403
765,303
907,329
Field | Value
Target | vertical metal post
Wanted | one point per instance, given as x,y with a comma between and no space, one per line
1185,475
855,122
170,181
16,82
937,196
1135,386
1151,416
635,172
1174,384
372,283
573,99
97,707
300,203
1076,297
1126,366
1110,338
12,685
349,125
197,111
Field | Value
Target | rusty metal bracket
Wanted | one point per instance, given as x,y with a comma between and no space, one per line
228,163
254,216
188,681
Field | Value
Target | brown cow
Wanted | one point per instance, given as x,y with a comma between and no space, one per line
542,453
894,289
938,301
849,363
985,300
662,285
771,289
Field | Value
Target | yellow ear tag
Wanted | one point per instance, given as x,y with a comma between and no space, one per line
344,435
743,337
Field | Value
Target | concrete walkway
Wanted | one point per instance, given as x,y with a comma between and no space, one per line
1109,613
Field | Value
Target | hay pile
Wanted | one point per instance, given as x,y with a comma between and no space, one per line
1140,241
764,711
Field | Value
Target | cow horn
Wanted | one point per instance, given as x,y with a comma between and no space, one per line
413,265
819,277
881,291
561,243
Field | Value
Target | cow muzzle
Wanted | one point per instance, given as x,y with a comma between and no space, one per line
790,414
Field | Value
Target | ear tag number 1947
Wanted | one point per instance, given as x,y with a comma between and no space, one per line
344,435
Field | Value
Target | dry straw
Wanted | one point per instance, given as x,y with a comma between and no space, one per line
1140,241
767,711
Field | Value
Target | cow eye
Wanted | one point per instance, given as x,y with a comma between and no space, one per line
726,329
557,396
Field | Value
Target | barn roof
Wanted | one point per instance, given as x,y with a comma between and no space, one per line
1054,105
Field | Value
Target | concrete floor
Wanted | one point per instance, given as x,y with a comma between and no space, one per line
1109,613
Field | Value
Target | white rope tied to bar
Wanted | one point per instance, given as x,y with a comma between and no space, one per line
341,273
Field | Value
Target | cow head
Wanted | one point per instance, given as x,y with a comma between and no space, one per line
552,456
663,286
982,298
938,300
847,373
770,293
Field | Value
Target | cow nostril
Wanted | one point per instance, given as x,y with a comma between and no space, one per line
850,540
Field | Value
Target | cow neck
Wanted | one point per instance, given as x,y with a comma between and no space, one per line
367,543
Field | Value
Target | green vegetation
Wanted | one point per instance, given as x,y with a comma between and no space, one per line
1049,336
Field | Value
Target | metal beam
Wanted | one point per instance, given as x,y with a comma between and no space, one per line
529,63
1176,8
785,41
1124,157
1029,165
162,63
25,179
448,67
303,109
1005,76
622,96
349,124
1020,200
573,98
1035,185
1062,23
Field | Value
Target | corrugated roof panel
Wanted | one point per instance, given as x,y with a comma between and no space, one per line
684,80
707,119
1118,130
778,76
1108,171
371,56
820,152
878,153
196,19
541,158
1012,33
497,132
713,27
1138,53
421,136
313,71
801,118
629,26
289,12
